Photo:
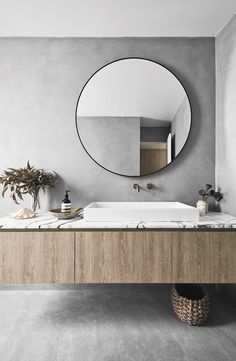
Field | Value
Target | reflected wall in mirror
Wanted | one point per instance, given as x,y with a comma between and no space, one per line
133,117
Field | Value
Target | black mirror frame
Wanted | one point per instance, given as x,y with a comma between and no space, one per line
77,128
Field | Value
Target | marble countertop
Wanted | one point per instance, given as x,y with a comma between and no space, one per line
46,221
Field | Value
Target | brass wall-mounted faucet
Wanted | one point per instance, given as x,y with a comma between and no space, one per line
136,187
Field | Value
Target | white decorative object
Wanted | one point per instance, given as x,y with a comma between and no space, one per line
23,213
203,207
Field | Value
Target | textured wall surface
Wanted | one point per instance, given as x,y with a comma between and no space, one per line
154,134
114,90
40,82
181,124
114,142
226,115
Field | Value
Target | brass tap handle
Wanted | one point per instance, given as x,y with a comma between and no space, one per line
149,186
136,187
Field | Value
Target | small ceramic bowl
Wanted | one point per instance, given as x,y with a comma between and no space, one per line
65,215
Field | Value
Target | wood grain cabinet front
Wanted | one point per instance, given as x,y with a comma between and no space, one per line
37,257
204,257
155,257
117,257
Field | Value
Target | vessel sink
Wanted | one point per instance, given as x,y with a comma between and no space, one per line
140,211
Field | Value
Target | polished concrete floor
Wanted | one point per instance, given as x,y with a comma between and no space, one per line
109,323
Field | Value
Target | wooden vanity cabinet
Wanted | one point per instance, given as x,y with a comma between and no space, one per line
146,256
123,257
36,257
155,257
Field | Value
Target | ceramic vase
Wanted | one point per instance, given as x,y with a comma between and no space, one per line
203,207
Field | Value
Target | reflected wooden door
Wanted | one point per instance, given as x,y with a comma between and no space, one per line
151,160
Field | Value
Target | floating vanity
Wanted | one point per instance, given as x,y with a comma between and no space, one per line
45,250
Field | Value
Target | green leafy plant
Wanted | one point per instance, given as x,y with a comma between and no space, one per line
208,192
28,180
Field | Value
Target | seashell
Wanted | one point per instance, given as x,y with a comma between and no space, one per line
23,213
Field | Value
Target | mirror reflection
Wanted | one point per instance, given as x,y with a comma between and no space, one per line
133,117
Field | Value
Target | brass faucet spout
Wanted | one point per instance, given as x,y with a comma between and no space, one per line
136,187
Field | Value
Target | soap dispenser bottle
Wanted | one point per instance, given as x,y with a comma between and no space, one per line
66,204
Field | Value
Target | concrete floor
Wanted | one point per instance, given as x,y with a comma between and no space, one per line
109,323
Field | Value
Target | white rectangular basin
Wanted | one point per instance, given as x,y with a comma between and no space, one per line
140,211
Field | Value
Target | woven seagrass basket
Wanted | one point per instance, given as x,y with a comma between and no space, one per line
190,303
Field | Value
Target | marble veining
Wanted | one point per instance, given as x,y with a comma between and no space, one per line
212,220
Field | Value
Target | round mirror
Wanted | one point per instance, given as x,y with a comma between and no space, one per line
133,117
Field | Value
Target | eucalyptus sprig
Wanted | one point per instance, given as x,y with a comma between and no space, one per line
28,180
208,192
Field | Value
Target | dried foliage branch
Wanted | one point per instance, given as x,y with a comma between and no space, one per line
28,180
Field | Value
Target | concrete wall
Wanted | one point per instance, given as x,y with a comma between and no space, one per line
114,142
181,124
40,83
226,115
114,90
154,134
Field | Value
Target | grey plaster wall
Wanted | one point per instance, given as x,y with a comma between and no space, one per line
114,142
154,134
226,115
180,125
40,83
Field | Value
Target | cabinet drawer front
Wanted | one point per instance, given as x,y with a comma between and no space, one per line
155,257
123,257
37,257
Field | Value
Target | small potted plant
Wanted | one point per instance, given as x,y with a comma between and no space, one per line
28,180
202,204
